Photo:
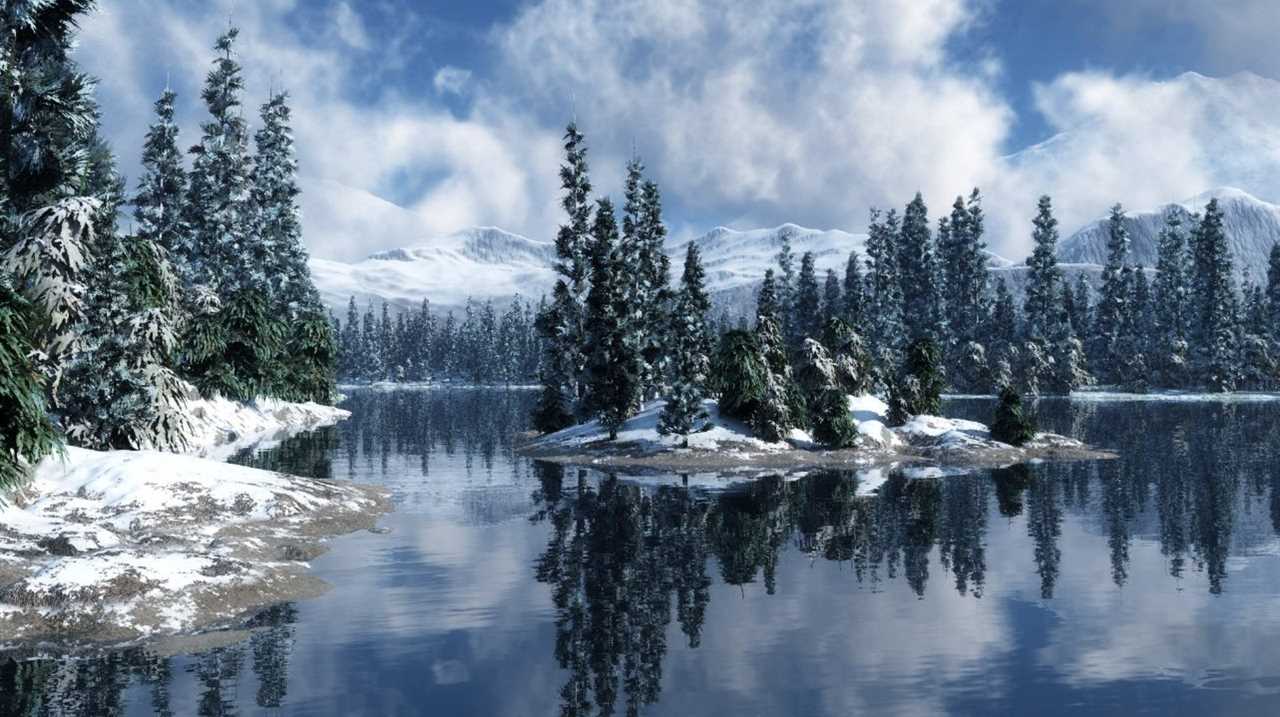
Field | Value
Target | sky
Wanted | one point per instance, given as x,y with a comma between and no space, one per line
747,114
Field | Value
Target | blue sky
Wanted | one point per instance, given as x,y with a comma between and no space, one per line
748,114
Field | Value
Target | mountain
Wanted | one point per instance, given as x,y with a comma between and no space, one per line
484,263
345,223
489,263
1252,225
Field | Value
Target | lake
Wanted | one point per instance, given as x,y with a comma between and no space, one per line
1147,584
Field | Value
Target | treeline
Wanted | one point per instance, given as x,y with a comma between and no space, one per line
916,316
481,348
101,331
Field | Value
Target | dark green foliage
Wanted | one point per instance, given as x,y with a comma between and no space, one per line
852,364
310,356
689,361
1013,423
1041,309
26,433
615,372
918,274
808,306
827,402
739,374
236,355
917,390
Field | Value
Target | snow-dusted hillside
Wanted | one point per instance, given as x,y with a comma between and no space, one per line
485,263
489,263
1252,225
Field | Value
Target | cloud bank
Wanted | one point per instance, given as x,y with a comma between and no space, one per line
748,115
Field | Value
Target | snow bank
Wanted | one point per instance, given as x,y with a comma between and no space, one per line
640,434
119,545
221,427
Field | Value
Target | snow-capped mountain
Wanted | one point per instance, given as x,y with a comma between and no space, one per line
489,263
1252,226
483,263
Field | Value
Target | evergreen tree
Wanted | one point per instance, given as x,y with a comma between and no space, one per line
832,301
563,327
1082,315
655,268
1013,423
1273,294
683,411
828,404
219,204
1214,301
855,295
26,432
1040,309
352,348
1171,314
160,204
917,389
614,372
372,368
884,292
808,304
918,275
853,370
964,270
1113,304
787,290
1003,328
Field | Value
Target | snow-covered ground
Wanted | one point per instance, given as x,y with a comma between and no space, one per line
117,545
222,428
120,545
729,445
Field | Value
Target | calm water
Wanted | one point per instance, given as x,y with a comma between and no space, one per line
1150,584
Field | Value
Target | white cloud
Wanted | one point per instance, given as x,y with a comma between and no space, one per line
451,80
350,27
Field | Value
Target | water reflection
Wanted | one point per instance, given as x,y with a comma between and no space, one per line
1109,584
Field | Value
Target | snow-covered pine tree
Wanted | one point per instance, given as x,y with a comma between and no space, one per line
964,270
160,204
918,275
1082,308
1170,312
855,295
614,370
279,251
1113,303
371,367
655,267
1215,362
787,289
783,406
556,403
1273,295
917,389
1002,329
884,292
1013,423
690,364
1258,367
1041,308
26,432
854,372
219,204
832,300
827,402
351,345
808,304
1067,352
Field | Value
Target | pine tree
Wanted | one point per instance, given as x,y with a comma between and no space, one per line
219,205
614,372
684,411
917,390
808,304
828,404
1109,323
563,328
918,275
26,432
884,292
160,204
1170,311
1002,330
964,270
787,290
832,301
655,267
853,370
372,368
1214,301
1040,309
352,350
1013,423
855,295
1273,294
1081,312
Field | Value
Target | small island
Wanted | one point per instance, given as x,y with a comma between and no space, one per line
728,445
